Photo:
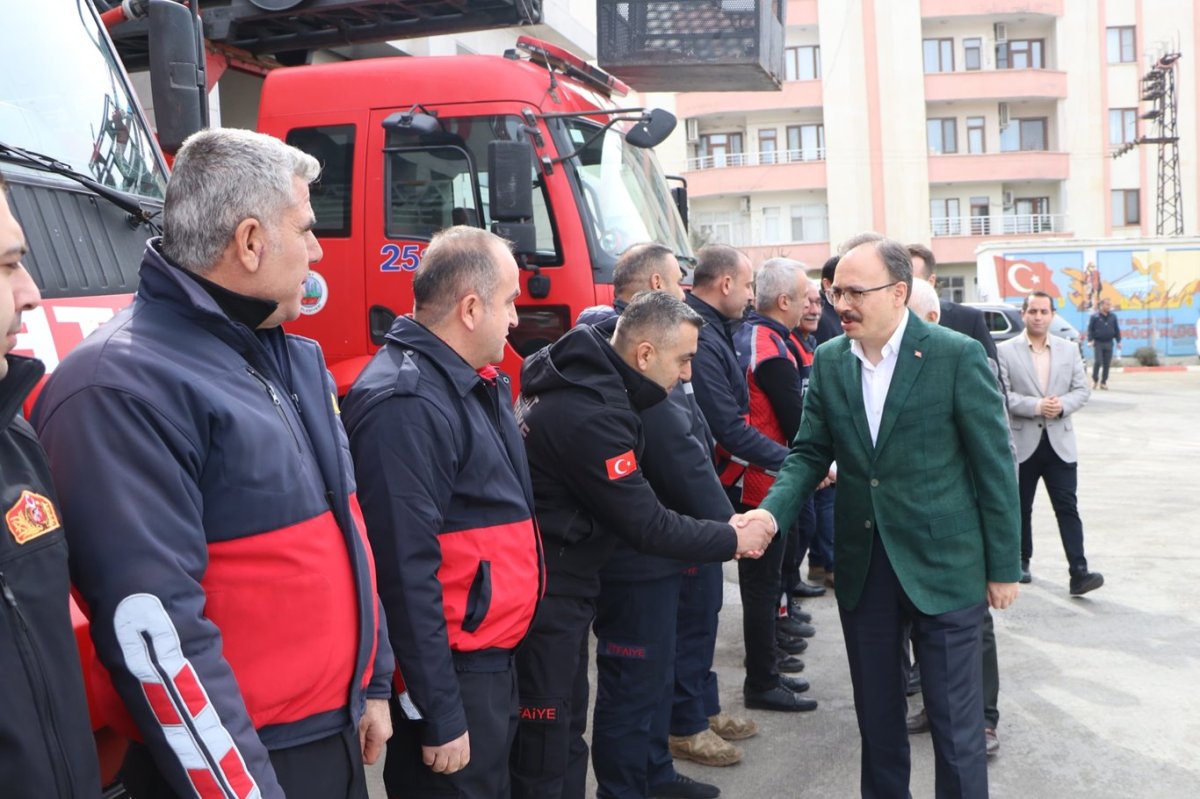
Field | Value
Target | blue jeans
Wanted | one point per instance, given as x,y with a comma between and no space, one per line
820,550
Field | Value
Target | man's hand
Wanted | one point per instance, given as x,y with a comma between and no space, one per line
754,530
374,729
449,757
1050,407
829,480
1001,595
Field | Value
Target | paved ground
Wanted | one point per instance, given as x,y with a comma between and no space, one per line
1098,694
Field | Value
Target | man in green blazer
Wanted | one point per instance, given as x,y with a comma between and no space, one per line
927,526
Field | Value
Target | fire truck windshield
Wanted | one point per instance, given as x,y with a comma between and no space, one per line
625,195
63,95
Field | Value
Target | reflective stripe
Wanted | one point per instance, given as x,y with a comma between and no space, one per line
190,724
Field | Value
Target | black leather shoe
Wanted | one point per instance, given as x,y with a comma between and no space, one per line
798,613
788,664
684,788
792,646
808,590
1088,581
796,629
1026,577
796,685
779,698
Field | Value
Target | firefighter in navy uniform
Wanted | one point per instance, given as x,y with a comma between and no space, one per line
46,747
445,491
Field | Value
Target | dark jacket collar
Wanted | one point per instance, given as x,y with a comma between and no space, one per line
712,318
583,358
755,318
164,280
23,375
410,334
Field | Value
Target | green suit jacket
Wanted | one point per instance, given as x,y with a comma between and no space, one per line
938,486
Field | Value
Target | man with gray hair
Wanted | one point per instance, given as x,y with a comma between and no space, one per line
209,502
928,533
924,302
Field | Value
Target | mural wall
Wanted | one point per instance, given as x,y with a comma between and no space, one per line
1154,292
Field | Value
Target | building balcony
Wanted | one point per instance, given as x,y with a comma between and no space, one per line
955,238
1038,165
996,84
810,253
794,94
736,230
743,173
985,8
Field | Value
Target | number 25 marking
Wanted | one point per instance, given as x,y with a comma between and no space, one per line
400,259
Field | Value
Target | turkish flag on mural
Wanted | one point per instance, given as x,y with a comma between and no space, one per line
1017,277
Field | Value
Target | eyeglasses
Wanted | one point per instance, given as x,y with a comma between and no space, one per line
853,297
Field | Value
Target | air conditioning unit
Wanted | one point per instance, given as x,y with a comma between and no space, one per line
1001,31
1007,199
1002,110
693,130
744,205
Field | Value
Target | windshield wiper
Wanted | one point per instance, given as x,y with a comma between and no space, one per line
126,202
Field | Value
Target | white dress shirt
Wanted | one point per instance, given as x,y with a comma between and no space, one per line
877,378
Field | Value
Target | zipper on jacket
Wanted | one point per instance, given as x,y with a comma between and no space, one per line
274,395
41,691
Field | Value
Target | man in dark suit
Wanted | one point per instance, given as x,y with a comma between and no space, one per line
959,318
928,532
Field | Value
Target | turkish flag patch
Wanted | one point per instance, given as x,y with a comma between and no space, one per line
623,465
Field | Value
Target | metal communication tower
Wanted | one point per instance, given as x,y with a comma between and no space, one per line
1158,89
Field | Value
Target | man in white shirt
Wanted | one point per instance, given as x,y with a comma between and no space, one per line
926,518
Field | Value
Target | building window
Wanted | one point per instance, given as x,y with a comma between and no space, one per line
810,223
1021,54
1122,125
1030,215
952,288
972,58
942,134
721,149
976,141
802,63
945,217
768,146
1121,46
981,209
939,55
806,143
770,225
1126,207
1023,134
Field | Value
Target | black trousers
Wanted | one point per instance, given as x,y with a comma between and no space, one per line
948,646
490,702
1062,481
800,538
758,581
1102,353
330,768
635,670
549,757
696,692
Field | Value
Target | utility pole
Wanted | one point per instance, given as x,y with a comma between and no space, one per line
1158,89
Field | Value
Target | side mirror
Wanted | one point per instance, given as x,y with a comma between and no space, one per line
680,195
652,129
510,194
413,121
177,78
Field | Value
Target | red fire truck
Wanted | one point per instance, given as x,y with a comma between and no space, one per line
530,144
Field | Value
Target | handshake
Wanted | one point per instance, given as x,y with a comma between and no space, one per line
754,530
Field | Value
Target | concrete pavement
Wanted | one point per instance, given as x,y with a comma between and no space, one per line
1098,694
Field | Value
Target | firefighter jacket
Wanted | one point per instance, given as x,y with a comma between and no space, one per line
677,461
216,540
445,491
776,367
579,411
724,397
46,747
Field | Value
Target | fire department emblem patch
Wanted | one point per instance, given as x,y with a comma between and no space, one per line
31,516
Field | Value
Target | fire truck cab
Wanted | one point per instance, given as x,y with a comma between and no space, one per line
530,145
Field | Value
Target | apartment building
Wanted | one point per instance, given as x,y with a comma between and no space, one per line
952,122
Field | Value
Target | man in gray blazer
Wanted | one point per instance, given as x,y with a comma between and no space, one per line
1044,382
